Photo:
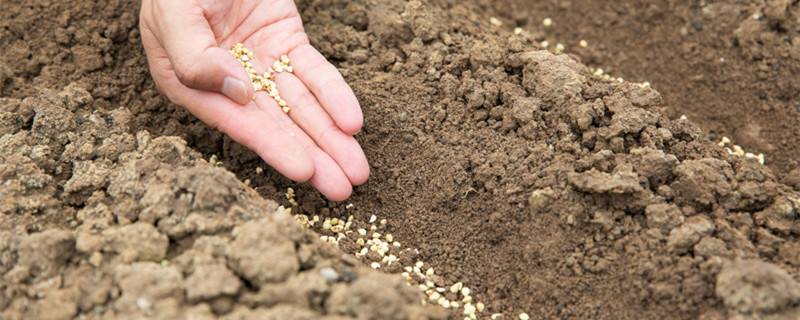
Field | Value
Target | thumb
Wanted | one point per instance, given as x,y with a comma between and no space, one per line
213,69
190,45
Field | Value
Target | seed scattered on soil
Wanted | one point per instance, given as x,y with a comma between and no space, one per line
583,43
547,22
725,142
389,252
517,30
495,22
559,48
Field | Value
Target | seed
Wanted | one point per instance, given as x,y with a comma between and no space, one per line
372,218
276,65
337,228
364,251
289,69
383,221
583,43
456,287
545,44
285,59
444,302
496,316
547,22
419,264
467,299
423,287
360,242
362,232
375,265
469,309
376,235
373,228
479,306
517,30
559,48
389,238
429,272
465,291
524,316
495,21
397,244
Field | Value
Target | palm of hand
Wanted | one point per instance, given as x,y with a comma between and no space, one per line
187,47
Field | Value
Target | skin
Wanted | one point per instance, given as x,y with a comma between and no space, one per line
187,45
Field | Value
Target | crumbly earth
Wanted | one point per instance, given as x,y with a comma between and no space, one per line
545,189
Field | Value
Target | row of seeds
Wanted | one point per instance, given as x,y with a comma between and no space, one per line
383,251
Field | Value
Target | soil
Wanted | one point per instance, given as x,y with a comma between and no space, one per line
542,187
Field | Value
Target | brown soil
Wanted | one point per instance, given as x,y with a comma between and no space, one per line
543,188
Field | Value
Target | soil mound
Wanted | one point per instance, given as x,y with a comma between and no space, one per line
542,187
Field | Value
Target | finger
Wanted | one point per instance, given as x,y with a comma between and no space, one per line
186,36
331,183
309,115
328,85
328,177
257,130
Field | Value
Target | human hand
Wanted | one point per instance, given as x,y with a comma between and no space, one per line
187,43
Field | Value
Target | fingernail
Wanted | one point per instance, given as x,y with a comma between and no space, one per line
234,89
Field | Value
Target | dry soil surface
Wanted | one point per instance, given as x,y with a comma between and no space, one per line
543,188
